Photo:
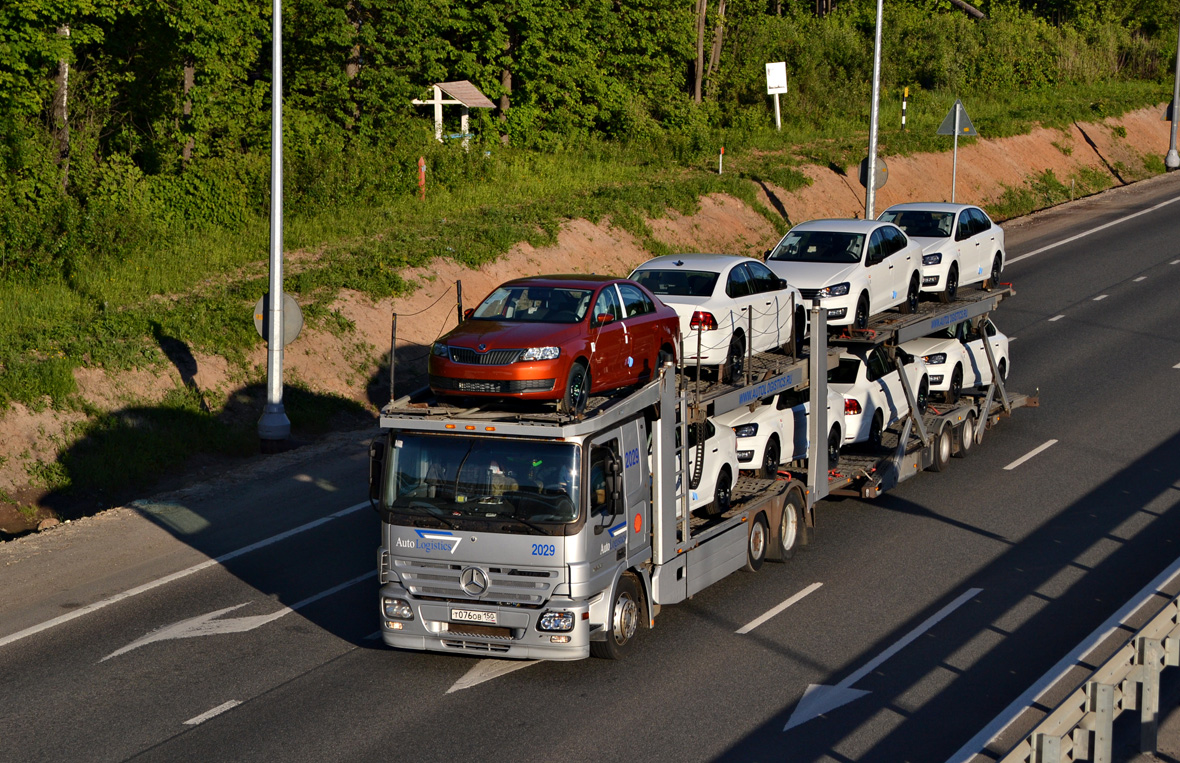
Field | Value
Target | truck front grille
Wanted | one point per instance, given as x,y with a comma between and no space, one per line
529,587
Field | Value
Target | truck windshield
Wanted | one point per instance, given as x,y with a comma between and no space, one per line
453,478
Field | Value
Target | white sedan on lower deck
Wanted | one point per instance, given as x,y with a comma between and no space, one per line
775,432
873,394
956,359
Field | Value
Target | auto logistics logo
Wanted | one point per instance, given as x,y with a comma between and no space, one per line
431,540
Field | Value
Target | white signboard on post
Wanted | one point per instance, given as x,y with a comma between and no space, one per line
776,83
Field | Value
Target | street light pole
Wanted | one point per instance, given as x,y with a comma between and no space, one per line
1172,160
274,426
871,180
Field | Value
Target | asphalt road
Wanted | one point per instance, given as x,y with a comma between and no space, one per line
151,634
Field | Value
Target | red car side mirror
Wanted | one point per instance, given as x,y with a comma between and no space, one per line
468,313
603,318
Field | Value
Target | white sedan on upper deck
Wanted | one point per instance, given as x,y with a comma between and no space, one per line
857,268
735,302
960,244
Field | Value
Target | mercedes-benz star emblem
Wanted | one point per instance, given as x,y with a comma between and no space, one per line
474,581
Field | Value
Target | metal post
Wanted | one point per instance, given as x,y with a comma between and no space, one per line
750,343
459,297
274,426
955,160
817,420
871,184
392,354
1172,160
438,114
905,96
778,120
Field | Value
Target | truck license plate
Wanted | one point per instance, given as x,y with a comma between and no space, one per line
473,616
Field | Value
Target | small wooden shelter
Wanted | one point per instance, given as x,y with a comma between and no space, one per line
462,94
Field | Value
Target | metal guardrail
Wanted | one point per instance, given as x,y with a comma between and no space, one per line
1080,727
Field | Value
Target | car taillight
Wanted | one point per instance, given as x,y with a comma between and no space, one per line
702,320
851,407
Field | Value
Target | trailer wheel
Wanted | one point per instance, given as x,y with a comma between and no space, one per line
966,436
792,527
770,458
756,545
626,618
942,449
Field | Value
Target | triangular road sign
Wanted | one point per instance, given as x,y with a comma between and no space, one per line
965,127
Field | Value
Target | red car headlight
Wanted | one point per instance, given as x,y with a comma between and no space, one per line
540,353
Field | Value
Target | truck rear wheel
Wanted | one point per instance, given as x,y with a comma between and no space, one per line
792,526
966,436
757,543
942,449
626,618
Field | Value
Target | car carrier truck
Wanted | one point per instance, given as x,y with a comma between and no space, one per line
521,532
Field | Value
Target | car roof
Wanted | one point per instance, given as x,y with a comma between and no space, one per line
840,225
712,262
585,281
929,206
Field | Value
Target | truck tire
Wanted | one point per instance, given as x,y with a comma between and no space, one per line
756,543
792,526
966,435
626,619
941,449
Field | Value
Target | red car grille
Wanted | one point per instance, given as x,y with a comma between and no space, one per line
446,384
491,358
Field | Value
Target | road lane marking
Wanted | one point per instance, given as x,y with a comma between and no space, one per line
61,619
819,700
1056,318
1083,234
777,610
1029,455
1101,297
1140,278
212,713
1174,262
1001,722
208,624
486,670
1176,366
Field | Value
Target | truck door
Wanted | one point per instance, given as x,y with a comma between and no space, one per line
637,491
607,519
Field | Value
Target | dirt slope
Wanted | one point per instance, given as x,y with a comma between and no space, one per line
1115,146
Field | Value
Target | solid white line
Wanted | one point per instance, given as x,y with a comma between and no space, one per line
777,610
212,713
1093,230
1101,297
1001,722
1140,278
1029,455
35,629
1056,318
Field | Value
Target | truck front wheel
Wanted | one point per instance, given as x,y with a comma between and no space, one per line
626,618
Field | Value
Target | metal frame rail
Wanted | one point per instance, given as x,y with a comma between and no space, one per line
1080,727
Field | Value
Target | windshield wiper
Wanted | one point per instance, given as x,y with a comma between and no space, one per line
525,522
435,512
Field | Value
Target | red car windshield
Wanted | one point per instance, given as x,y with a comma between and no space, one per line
534,304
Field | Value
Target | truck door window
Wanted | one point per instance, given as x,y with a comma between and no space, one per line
600,456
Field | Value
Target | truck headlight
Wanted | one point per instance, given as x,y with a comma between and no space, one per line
838,290
440,349
396,609
556,621
746,430
932,259
937,359
541,353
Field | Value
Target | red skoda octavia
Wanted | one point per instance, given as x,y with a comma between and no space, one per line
556,338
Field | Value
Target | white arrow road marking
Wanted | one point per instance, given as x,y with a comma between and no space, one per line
486,670
176,576
777,610
1030,454
819,699
212,713
209,625
1083,234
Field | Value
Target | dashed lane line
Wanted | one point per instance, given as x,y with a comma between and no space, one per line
62,619
1030,454
1101,297
778,609
1056,318
1083,234
1140,278
196,721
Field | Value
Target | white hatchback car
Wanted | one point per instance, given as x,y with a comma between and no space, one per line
960,244
857,268
731,300
719,468
775,432
873,395
955,357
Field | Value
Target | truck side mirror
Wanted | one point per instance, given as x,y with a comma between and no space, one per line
376,470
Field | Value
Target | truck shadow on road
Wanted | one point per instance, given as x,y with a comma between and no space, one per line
1040,597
